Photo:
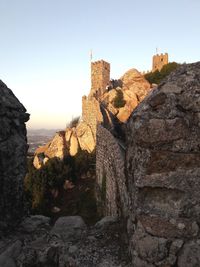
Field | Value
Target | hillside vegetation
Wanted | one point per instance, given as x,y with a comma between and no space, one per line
44,187
157,76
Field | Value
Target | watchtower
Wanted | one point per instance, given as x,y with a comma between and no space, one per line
100,77
159,61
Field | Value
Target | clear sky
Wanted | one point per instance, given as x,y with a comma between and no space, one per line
45,44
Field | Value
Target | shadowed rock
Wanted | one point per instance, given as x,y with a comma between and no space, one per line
13,151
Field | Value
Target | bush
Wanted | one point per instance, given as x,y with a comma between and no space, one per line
73,122
157,76
118,101
38,183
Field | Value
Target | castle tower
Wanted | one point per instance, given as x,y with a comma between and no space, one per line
100,77
159,61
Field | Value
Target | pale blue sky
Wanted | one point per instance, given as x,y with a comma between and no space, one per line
45,44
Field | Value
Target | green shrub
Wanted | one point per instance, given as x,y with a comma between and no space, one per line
118,101
39,182
73,122
157,76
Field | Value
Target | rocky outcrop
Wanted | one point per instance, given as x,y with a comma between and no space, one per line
162,173
134,88
13,151
85,137
55,148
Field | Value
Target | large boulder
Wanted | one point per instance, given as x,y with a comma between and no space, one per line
134,88
13,153
69,227
74,145
163,172
56,148
85,137
135,82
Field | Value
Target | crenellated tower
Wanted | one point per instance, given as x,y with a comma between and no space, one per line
100,77
159,61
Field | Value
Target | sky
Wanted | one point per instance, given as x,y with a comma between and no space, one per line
45,47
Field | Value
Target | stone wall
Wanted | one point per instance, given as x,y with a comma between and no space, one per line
13,152
91,113
162,173
159,61
111,183
163,167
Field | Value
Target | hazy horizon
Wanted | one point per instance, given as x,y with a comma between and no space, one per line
45,47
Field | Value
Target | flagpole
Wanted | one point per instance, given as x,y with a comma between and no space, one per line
91,55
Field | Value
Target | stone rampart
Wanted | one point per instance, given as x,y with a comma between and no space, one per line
111,185
91,113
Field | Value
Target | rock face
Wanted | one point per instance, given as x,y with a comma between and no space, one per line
162,173
13,151
55,148
134,88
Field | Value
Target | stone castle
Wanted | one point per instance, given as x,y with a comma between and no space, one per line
149,180
100,77
100,73
98,107
159,61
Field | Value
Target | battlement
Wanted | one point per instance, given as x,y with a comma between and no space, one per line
159,61
101,63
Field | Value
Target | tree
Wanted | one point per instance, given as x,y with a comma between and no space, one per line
118,101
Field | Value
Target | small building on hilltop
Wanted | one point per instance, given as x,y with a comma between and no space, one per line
159,61
100,77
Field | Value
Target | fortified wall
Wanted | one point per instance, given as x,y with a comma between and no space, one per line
110,160
91,105
91,113
157,188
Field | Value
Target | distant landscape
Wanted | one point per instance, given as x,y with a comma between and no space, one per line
39,137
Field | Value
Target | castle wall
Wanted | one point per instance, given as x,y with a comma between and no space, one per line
91,113
110,178
100,76
159,61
